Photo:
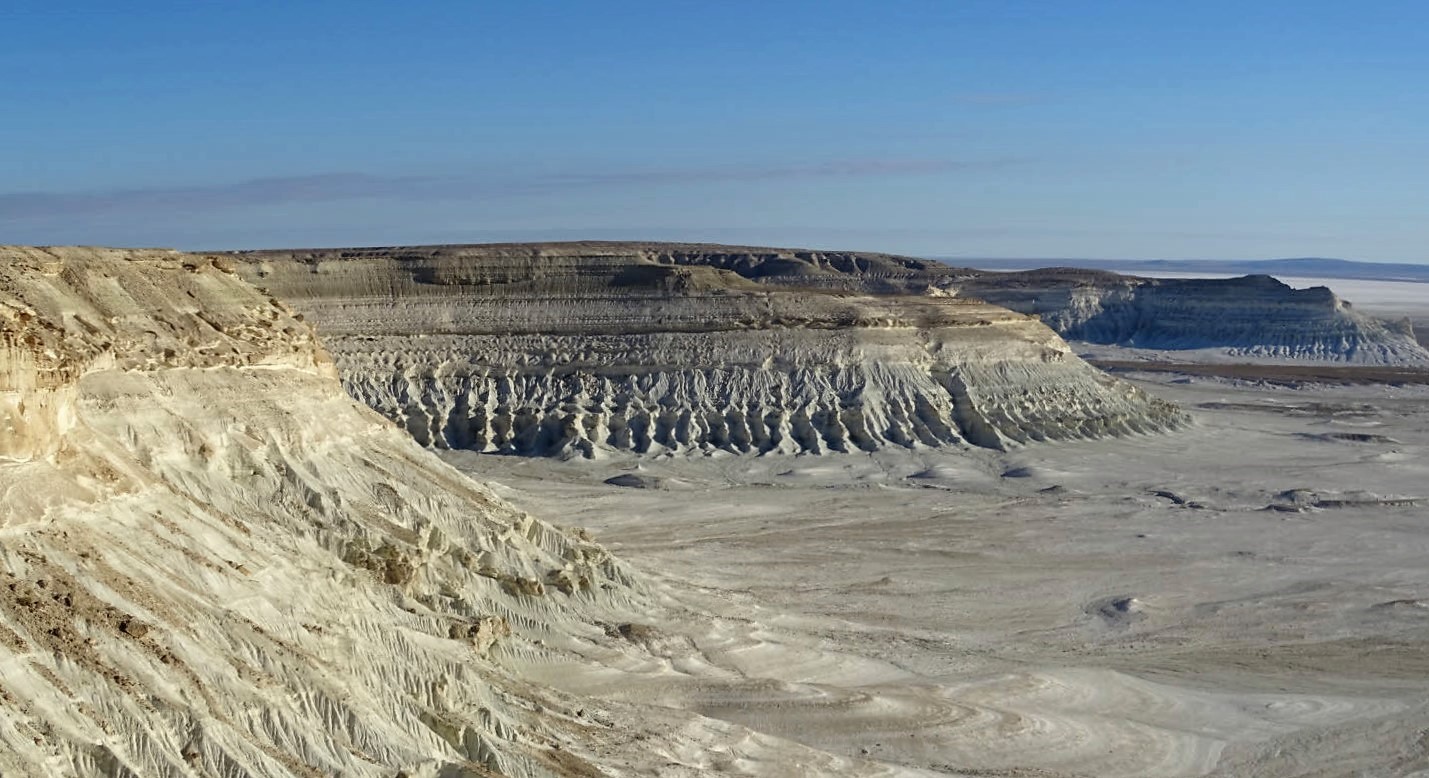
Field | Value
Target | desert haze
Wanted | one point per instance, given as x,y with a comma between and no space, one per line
654,389
681,510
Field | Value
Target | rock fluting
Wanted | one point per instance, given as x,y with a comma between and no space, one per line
1252,316
217,563
576,349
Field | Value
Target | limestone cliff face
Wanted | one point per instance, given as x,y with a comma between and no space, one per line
65,313
1255,316
582,348
217,563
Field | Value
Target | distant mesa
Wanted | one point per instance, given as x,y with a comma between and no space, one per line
572,349
1308,267
1256,316
577,349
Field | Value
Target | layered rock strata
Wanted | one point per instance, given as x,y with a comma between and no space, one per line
1252,316
214,562
582,348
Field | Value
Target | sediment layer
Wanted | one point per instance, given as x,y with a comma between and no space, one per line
583,348
215,562
1253,316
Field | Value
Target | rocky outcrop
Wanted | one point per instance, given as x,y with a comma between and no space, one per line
575,349
1252,316
65,313
215,562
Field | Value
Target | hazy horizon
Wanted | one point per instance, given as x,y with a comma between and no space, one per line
997,129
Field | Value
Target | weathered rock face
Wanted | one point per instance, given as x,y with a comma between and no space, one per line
65,313
581,348
1255,316
215,562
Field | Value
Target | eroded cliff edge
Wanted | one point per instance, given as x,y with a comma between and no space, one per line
216,562
1253,316
580,348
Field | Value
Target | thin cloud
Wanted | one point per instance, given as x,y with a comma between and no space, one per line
329,187
1000,98
258,191
837,169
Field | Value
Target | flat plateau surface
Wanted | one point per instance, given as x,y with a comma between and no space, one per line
1385,299
1246,597
1287,375
1380,298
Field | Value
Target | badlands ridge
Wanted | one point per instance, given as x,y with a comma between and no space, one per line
1256,317
216,562
579,349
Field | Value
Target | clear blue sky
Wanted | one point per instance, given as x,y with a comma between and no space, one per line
988,127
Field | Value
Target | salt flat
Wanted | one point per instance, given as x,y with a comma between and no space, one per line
1159,605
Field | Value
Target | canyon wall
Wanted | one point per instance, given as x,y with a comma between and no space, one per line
1253,316
577,349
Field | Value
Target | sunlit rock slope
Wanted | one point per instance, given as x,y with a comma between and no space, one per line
574,349
214,562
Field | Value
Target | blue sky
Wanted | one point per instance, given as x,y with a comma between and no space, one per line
1056,128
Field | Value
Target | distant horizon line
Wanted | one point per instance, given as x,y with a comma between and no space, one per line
1001,258
1044,258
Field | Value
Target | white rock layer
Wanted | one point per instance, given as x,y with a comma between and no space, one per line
575,349
214,562
1253,316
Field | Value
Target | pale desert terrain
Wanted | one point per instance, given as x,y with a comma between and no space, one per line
1247,597
216,561
1240,594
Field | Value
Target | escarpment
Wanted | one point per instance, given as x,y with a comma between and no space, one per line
215,562
1252,316
575,349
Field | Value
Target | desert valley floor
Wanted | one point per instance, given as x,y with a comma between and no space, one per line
1245,597
226,552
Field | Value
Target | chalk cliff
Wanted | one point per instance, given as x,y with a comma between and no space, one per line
1252,316
216,563
575,349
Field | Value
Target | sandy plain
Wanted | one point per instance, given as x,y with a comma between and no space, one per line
1246,597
